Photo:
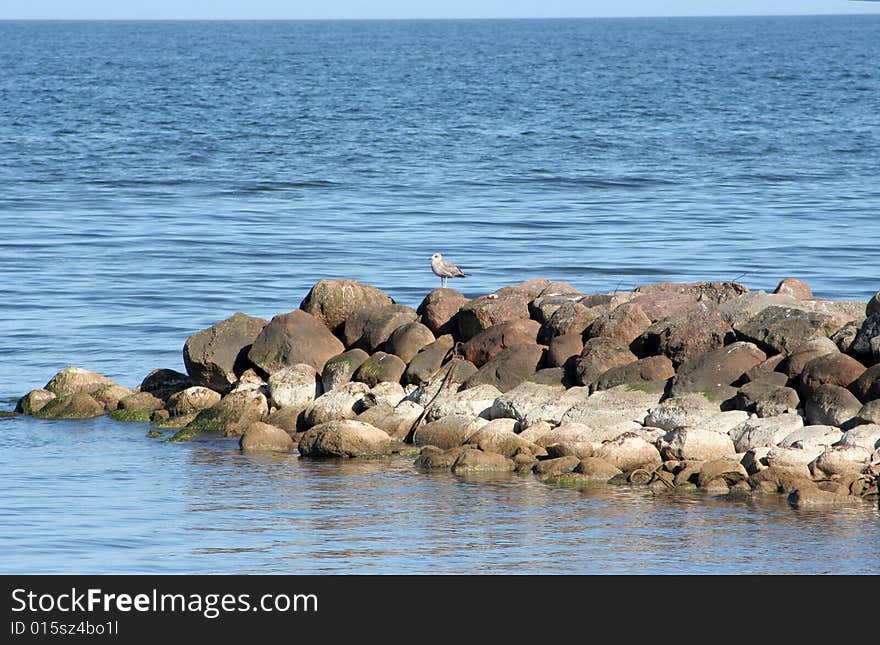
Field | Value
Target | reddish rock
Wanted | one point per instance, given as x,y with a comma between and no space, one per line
262,437
600,355
624,323
834,369
483,312
438,309
795,288
867,386
685,334
654,369
661,304
428,361
781,329
793,364
370,328
510,367
408,340
767,369
296,337
831,405
215,357
569,318
716,292
564,350
723,366
333,301
491,341
380,368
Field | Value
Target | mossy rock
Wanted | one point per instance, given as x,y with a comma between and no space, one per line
573,480
138,415
210,420
407,451
154,434
6,414
184,434
180,421
648,387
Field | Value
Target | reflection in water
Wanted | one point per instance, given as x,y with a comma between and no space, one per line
206,507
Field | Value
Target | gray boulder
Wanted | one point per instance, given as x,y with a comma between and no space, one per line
600,355
628,452
72,380
685,334
348,438
448,432
343,402
408,340
510,367
864,436
426,363
332,302
831,405
769,431
686,443
215,357
296,386
293,338
340,369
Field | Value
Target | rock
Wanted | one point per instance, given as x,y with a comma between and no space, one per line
72,380
535,431
579,449
341,403
428,361
755,460
34,401
141,401
232,414
408,340
831,405
162,383
818,498
621,409
554,376
685,334
262,437
692,410
844,337
840,461
866,343
728,470
346,438
795,288
216,356
523,399
624,323
569,318
448,432
542,308
720,367
661,304
434,458
864,436
867,386
768,431
397,421
510,367
498,307
868,413
793,460
78,405
873,306
766,398
600,355
251,380
490,342
597,468
829,369
370,328
793,364
289,419
686,443
781,329
477,461
766,371
387,393
111,395
498,436
437,311
560,465
778,480
340,369
654,369
812,436
557,288
716,292
476,402
577,433
294,386
448,378
332,302
293,338
628,452
380,368
564,351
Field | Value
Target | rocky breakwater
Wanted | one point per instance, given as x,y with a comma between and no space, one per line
677,387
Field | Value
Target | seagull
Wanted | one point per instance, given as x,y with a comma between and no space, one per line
445,269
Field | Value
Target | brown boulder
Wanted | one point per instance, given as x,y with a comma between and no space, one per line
685,334
448,432
333,301
624,323
766,398
71,380
215,357
34,401
795,288
428,361
793,364
296,337
569,318
660,304
716,292
408,340
723,366
477,461
437,311
654,369
262,437
564,350
140,401
162,383
781,329
600,355
340,369
510,367
370,328
232,414
831,405
498,307
347,438
491,341
834,369
867,386
191,400
380,368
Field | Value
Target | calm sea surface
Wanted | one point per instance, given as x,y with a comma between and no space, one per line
158,177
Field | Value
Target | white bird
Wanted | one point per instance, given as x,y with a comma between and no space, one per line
445,269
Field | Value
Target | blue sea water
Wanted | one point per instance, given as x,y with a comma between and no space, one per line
159,176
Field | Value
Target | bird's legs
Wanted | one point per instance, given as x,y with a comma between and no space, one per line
443,282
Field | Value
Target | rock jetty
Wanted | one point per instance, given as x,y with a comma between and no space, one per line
672,386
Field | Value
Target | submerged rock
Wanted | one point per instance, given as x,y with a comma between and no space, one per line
78,405
262,437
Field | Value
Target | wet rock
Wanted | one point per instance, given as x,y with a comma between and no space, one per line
262,437
72,380
510,367
866,343
293,338
600,355
812,436
564,351
778,480
34,401
864,436
768,431
141,401
624,323
294,386
781,329
831,405
723,366
346,438
628,452
424,364
448,432
408,340
841,460
111,395
437,311
795,288
385,393
397,421
434,458
477,461
476,401
867,386
494,308
597,468
380,368
652,370
490,342
686,443
340,369
817,498
560,465
341,403
332,302
216,356
829,369
232,414
766,398
78,405
685,334
728,470
569,318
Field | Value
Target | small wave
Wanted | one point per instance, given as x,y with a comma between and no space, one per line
274,186
594,182
137,183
